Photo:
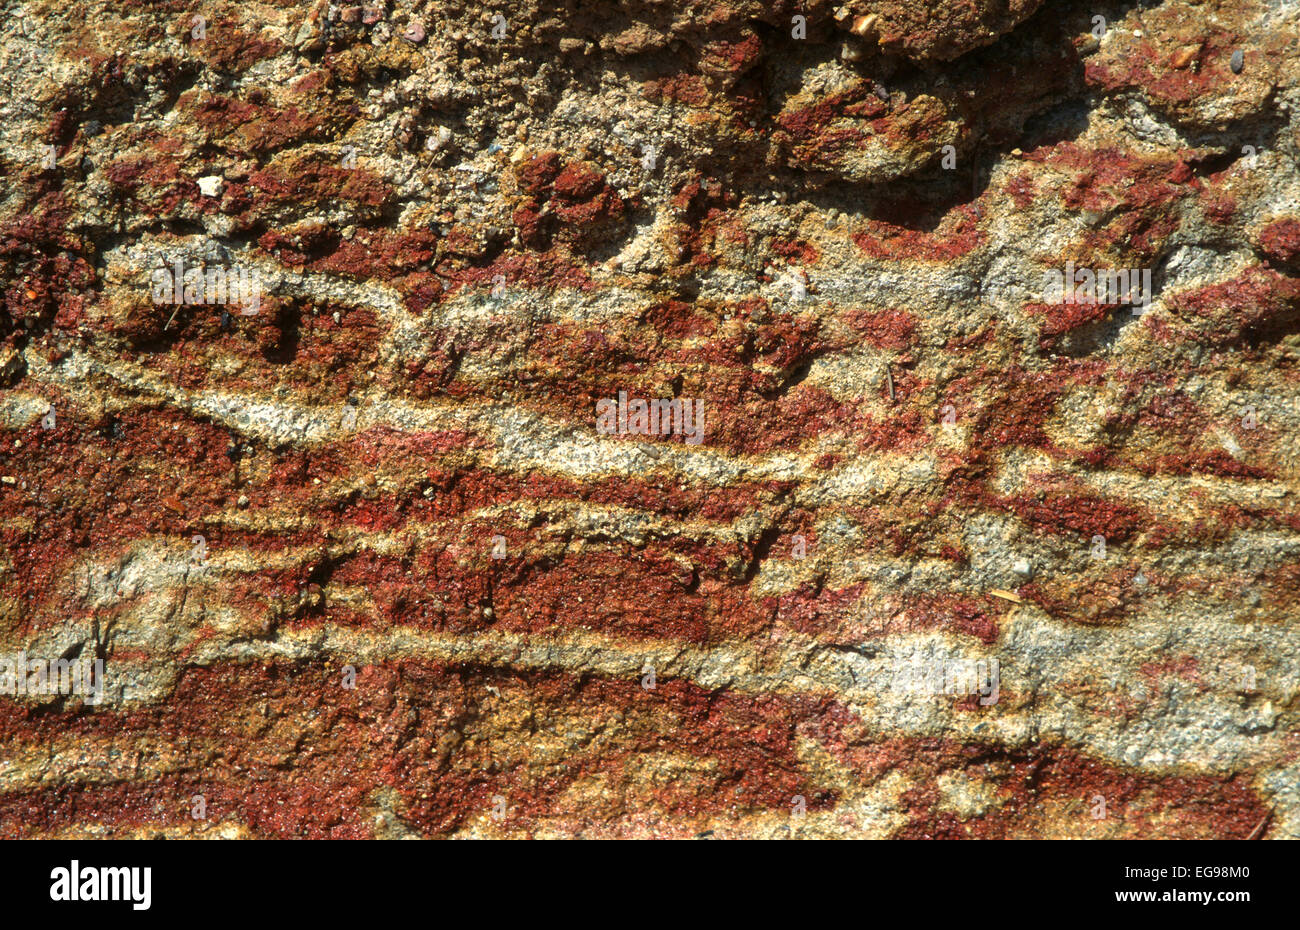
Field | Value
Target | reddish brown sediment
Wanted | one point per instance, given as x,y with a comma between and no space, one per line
423,732
835,248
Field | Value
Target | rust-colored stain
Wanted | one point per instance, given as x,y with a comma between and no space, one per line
307,317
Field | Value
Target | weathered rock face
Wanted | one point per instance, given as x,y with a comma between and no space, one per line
326,332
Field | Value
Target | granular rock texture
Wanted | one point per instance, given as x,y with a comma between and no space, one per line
309,311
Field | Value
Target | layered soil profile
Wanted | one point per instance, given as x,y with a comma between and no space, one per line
651,419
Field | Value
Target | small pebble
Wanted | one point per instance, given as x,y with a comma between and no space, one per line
414,33
1183,57
863,24
210,186
1237,62
438,139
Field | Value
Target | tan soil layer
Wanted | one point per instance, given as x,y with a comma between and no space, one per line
359,559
